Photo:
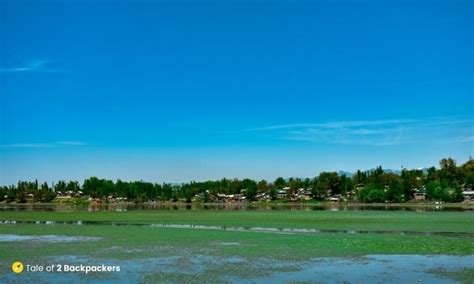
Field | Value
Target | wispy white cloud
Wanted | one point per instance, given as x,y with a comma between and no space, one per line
38,65
28,145
71,143
377,132
43,145
333,124
467,139
349,135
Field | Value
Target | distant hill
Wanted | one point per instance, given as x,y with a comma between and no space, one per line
344,173
391,171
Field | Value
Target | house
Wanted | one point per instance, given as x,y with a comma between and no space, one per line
221,196
420,196
199,196
63,197
95,201
302,194
280,194
262,196
468,194
334,198
236,198
68,194
419,193
359,186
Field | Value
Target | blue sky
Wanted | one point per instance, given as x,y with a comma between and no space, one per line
193,90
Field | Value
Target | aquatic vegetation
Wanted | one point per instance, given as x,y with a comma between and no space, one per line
233,246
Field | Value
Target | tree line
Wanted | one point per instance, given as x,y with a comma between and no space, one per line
441,184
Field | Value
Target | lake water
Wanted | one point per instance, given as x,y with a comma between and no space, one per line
267,230
195,268
185,267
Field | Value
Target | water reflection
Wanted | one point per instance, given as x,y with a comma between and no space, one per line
288,231
120,207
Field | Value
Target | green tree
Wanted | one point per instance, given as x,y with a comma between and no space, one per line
167,191
3,193
371,194
395,192
436,191
250,187
60,186
448,172
262,185
328,183
21,196
11,195
279,182
72,186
